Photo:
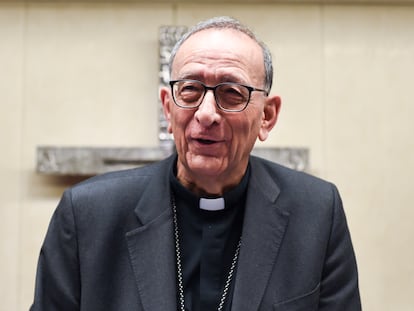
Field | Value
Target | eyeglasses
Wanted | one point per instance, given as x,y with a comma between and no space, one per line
229,96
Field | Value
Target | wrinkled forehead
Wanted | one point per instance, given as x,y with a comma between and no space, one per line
220,46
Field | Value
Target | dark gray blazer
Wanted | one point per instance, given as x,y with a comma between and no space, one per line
110,245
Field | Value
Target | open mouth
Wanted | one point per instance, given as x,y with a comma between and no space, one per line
206,141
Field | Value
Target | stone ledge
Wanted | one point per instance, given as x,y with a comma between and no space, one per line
88,161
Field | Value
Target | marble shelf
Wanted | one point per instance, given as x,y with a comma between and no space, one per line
88,161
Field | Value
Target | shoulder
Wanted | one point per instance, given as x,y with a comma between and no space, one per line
298,189
124,179
109,199
284,176
119,189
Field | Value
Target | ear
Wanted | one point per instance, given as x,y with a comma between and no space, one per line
166,100
270,113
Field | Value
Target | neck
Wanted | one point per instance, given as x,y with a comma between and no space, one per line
202,189
208,186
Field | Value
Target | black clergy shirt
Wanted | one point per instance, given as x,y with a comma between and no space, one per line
208,242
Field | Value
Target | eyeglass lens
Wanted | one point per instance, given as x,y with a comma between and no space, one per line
229,96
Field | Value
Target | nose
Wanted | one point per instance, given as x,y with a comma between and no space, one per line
207,113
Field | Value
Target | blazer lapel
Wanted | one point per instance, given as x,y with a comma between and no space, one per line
263,230
151,247
152,251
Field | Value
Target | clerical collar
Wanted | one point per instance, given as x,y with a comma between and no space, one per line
229,198
216,204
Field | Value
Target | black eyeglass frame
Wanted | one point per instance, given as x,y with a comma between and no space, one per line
213,88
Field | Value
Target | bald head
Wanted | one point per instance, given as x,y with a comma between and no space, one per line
221,23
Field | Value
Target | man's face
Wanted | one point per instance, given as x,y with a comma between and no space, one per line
213,146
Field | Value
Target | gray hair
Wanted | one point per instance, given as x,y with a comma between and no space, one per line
225,22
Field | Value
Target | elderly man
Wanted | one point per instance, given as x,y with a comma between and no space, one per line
211,227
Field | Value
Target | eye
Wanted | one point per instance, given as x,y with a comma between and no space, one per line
233,93
190,87
189,91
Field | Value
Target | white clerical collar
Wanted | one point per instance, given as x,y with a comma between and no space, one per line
216,204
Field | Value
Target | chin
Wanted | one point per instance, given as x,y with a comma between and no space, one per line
207,165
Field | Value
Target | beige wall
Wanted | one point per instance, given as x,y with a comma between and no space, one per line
85,73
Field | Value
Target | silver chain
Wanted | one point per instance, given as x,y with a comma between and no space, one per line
180,270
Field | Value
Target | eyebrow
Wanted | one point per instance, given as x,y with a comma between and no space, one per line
190,76
201,78
232,78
